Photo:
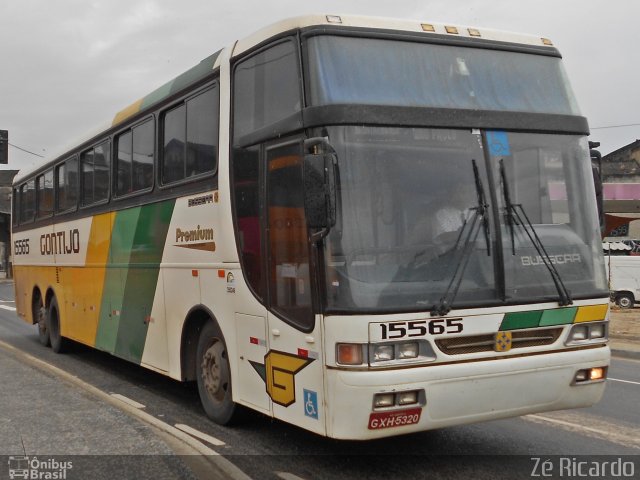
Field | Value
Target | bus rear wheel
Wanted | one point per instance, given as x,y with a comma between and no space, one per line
40,318
214,375
59,344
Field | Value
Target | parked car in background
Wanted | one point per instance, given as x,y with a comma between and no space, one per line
623,274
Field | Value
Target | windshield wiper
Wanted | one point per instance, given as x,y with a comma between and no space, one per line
513,219
482,207
478,221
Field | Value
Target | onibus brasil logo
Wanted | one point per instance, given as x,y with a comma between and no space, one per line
22,466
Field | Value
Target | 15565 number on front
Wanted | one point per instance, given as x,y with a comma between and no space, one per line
418,328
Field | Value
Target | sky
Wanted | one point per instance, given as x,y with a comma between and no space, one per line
68,66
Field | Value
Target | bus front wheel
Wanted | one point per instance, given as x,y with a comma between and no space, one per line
58,343
214,375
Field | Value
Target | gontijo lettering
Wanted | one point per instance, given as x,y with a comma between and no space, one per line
60,243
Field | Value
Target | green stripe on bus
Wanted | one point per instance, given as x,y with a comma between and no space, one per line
142,279
558,316
124,227
517,320
190,77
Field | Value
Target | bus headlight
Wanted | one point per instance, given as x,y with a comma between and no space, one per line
579,332
598,331
383,353
408,398
592,332
392,353
384,400
387,400
408,350
590,375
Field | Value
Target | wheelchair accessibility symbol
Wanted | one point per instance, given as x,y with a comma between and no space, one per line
310,403
498,144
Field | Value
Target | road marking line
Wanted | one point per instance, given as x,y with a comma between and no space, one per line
200,435
126,400
7,301
228,468
629,437
623,381
288,476
4,307
569,424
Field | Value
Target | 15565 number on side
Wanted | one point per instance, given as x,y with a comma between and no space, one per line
419,328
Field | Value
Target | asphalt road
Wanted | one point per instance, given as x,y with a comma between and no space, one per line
265,448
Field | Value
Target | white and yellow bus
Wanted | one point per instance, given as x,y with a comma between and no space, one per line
363,227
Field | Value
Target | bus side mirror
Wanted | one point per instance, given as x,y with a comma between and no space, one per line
596,169
319,173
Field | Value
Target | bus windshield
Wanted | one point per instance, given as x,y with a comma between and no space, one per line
348,70
407,199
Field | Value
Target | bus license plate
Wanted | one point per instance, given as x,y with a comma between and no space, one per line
378,420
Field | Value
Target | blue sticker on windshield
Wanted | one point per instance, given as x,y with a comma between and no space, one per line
498,144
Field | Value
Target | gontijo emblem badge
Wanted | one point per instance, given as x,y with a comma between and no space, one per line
502,342
278,372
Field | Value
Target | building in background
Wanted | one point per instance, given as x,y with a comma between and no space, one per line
621,189
6,178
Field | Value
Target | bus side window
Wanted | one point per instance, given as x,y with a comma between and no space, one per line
190,137
67,185
290,284
44,193
246,174
14,207
266,89
134,159
27,201
95,164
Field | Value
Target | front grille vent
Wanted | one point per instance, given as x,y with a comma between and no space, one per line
485,343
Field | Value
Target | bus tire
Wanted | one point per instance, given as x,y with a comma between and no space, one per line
214,375
59,344
40,318
625,300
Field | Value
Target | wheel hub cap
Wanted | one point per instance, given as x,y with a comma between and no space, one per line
213,371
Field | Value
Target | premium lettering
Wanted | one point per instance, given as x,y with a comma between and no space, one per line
198,234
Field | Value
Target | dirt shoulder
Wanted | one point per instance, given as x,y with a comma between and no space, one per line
625,324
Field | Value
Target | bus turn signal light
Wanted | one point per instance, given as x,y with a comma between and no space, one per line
350,354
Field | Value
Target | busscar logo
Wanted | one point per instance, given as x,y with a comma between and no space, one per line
204,200
533,260
196,239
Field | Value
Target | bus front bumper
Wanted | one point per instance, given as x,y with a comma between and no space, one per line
460,393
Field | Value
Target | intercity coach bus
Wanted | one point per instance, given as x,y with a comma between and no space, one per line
363,227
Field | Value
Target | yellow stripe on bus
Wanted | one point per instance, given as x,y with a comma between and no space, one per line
88,283
591,313
127,112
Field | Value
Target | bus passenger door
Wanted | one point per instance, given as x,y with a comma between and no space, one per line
294,373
